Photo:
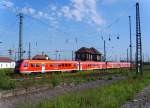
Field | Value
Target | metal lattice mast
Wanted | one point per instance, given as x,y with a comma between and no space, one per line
130,40
20,50
139,65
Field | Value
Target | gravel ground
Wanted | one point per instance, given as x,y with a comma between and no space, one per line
35,98
142,100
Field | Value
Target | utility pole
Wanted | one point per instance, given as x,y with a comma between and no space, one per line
130,41
72,55
59,56
139,64
42,52
127,55
104,51
15,56
20,50
29,52
56,54
10,53
143,58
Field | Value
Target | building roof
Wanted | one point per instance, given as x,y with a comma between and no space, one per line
91,50
6,59
40,57
95,51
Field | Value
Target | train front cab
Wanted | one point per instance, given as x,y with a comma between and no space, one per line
18,66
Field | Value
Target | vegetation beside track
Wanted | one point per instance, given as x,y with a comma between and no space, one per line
109,96
5,80
10,80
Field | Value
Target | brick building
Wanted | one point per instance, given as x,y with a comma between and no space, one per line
41,57
88,54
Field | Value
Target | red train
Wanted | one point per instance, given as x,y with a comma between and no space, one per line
43,66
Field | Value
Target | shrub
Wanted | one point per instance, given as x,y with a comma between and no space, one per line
109,78
93,78
55,81
7,71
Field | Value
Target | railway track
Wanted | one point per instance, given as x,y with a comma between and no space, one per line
20,77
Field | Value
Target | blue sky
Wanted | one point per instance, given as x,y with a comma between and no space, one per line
67,25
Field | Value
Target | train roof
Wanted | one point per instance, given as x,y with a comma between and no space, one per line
60,61
68,61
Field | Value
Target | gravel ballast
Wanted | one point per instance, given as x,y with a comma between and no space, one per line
141,100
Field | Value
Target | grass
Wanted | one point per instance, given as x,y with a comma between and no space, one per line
57,79
109,96
5,81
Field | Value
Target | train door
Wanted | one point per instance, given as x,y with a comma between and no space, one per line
79,66
43,68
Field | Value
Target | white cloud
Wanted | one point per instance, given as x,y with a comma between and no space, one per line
109,1
83,10
66,11
53,8
7,4
78,10
27,10
51,19
31,10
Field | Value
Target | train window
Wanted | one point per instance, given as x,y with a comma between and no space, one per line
59,65
37,65
25,65
55,65
33,65
66,65
50,65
